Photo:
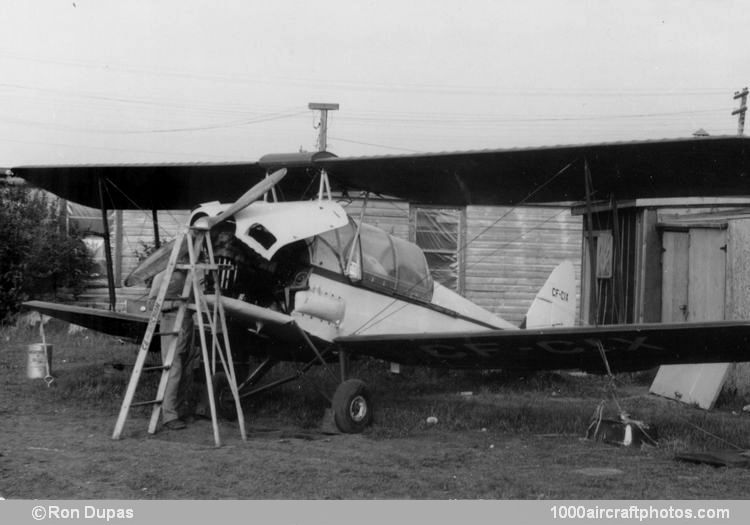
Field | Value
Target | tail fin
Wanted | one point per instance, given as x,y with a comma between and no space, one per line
555,304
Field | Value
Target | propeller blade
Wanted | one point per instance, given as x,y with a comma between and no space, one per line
157,261
153,264
250,196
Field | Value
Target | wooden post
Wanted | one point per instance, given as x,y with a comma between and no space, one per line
742,95
107,248
594,309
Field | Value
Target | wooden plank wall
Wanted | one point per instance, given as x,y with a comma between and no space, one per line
138,232
511,252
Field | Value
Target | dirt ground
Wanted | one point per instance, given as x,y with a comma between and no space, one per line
57,448
52,456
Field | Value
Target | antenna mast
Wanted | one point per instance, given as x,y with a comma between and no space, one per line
325,186
323,126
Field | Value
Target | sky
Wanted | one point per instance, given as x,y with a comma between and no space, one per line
98,81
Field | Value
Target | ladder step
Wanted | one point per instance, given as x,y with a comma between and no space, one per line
176,298
144,403
174,332
157,367
202,266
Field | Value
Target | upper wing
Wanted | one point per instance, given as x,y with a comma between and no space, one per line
155,186
627,347
131,326
706,166
169,186
709,166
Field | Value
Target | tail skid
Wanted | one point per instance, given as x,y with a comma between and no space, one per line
555,304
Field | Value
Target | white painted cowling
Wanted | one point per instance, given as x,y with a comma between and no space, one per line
287,222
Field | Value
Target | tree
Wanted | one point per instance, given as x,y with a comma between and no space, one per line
38,256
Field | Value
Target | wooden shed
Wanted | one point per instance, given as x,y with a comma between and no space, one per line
670,260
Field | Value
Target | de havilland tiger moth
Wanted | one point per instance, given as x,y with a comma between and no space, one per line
293,259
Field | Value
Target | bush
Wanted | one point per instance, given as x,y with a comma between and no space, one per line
37,255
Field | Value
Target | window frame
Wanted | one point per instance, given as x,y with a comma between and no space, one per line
460,253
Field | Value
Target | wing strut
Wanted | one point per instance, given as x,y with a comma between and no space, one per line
356,273
107,248
155,222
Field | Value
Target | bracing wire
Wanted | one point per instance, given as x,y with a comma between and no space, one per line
373,320
137,206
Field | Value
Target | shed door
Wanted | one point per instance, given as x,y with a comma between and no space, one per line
693,289
707,274
674,276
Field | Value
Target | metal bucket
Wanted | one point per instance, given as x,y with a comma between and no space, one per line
39,361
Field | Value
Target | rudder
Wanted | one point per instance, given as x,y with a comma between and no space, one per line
555,303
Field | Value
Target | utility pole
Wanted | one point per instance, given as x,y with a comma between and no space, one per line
323,126
741,111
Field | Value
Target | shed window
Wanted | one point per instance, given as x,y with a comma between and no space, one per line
438,231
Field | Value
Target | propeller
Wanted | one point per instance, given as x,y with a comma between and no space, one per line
250,196
157,261
153,264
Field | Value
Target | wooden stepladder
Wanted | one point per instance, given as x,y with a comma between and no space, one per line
210,319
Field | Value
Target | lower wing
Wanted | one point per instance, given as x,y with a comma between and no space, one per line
133,326
130,326
626,347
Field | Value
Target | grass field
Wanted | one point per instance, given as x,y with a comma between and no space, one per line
498,436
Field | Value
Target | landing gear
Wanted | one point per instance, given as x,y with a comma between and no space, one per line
352,410
351,404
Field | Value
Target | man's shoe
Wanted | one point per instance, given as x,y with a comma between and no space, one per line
175,424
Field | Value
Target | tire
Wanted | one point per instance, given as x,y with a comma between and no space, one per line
223,397
352,409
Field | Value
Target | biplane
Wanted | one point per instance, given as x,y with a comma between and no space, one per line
295,260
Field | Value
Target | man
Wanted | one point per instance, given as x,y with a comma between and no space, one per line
180,373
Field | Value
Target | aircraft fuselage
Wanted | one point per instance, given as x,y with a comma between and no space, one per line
335,277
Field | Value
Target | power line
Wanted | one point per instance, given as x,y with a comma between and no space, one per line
190,106
457,119
378,86
224,125
375,145
127,150
234,124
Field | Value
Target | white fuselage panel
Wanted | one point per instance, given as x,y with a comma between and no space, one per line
369,313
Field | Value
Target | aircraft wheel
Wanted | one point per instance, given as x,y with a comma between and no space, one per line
223,397
352,410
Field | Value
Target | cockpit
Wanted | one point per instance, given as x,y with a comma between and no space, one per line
377,260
